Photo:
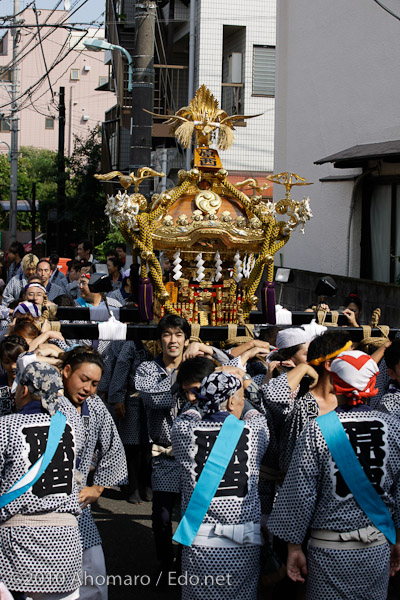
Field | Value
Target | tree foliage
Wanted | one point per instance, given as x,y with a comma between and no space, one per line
85,197
34,166
111,239
40,166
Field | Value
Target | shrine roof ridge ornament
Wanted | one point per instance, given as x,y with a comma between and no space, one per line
204,118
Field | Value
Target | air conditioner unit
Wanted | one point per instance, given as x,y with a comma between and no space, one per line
85,117
235,67
87,67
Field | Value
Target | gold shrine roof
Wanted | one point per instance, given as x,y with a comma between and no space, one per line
207,217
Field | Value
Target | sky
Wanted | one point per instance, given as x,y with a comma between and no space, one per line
91,9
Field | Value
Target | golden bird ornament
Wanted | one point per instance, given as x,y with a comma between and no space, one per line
127,180
203,117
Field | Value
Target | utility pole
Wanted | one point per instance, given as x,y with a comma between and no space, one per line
33,215
142,89
14,128
61,173
70,120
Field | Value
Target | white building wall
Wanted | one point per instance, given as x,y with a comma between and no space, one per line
337,86
254,144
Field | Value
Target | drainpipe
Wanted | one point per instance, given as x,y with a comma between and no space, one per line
191,66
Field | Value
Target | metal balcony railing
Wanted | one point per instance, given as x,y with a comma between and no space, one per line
170,88
170,81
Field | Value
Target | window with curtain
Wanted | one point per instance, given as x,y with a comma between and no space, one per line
381,234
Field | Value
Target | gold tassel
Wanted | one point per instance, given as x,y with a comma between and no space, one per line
225,137
184,134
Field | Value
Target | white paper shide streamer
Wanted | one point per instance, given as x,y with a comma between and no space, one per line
218,266
248,264
238,267
177,262
200,268
245,266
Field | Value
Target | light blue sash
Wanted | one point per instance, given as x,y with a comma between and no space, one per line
353,474
56,429
209,480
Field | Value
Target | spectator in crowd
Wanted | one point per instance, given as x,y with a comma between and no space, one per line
3,275
108,349
114,266
74,275
121,250
88,298
84,252
352,309
166,267
43,270
57,276
111,252
15,286
124,293
64,300
16,253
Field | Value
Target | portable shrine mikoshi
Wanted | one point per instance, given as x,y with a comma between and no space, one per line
218,238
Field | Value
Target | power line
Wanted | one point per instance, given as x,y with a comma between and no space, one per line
37,110
27,44
91,22
53,25
42,50
20,12
28,93
58,24
63,73
387,9
92,57
35,85
40,81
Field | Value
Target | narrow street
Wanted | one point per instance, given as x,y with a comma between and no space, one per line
129,549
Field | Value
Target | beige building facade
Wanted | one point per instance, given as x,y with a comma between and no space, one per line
50,57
